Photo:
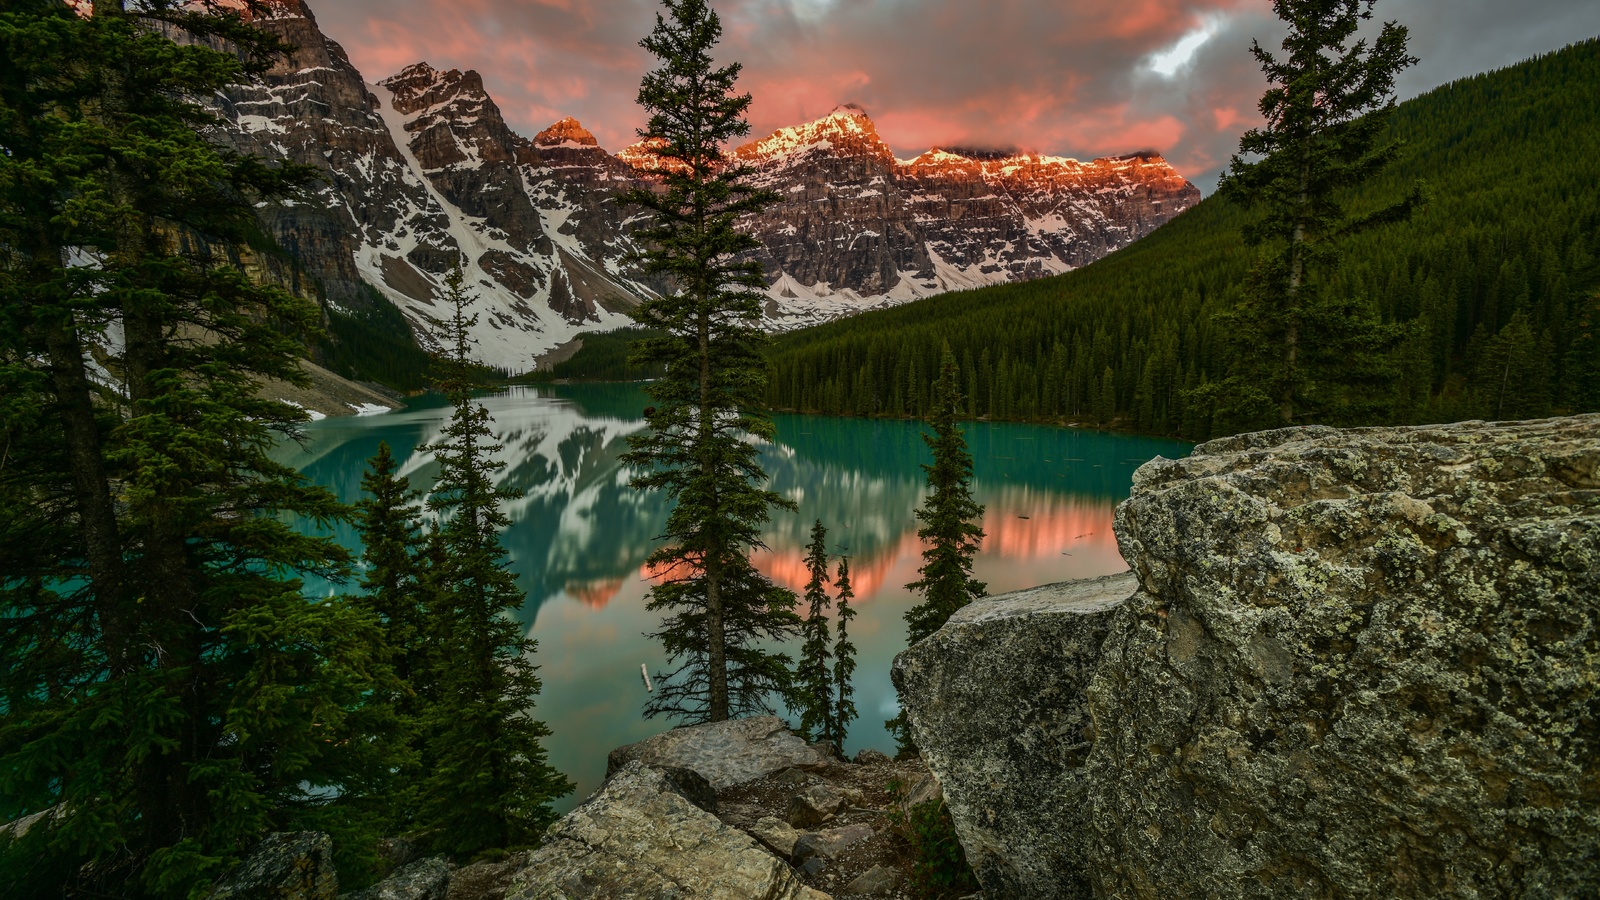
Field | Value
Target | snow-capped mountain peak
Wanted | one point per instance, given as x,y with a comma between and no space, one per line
422,173
567,132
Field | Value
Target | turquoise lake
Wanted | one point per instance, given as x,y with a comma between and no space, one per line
579,535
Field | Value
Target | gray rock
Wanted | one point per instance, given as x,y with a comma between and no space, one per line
1362,664
285,866
17,829
830,843
815,805
870,757
922,789
638,838
812,867
996,704
693,786
795,777
487,880
777,835
425,879
876,880
726,753
827,749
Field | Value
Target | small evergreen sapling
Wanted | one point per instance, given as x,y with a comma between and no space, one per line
814,678
950,534
844,660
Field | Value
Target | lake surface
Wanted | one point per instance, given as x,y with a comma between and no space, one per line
579,535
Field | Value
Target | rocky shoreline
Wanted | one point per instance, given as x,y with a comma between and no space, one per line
1359,663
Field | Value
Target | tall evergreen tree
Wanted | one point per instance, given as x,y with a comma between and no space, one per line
710,398
844,660
168,691
814,675
489,784
950,534
392,590
1299,350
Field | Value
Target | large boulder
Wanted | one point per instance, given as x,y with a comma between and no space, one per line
639,838
425,879
294,865
996,701
725,753
1361,664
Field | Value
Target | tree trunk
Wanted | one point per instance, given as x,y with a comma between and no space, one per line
91,486
717,649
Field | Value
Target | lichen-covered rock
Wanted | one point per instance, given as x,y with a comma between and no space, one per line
425,879
486,879
638,838
996,701
815,805
1362,664
776,835
829,843
727,753
294,865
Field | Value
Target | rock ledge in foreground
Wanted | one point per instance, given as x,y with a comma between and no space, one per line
638,837
996,700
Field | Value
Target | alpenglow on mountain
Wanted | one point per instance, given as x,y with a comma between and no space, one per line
421,170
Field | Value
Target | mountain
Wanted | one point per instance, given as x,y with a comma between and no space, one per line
1496,280
858,228
421,170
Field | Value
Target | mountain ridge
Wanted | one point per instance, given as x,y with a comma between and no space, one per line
421,170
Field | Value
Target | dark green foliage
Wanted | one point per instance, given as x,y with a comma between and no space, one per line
1513,223
938,863
844,660
755,612
950,534
375,344
1295,352
488,784
813,678
167,686
710,398
392,591
608,357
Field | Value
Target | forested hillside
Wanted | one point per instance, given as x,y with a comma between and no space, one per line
1497,280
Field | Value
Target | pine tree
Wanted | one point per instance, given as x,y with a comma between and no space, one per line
844,660
489,784
169,690
814,675
392,590
710,398
949,533
391,541
1301,352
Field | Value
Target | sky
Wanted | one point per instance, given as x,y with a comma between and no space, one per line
1079,78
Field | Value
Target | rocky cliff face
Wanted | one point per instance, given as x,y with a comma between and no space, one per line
856,227
421,171
1357,664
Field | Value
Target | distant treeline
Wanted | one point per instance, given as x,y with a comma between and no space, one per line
374,344
1497,279
603,357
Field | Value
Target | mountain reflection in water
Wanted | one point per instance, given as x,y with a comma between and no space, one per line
579,535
